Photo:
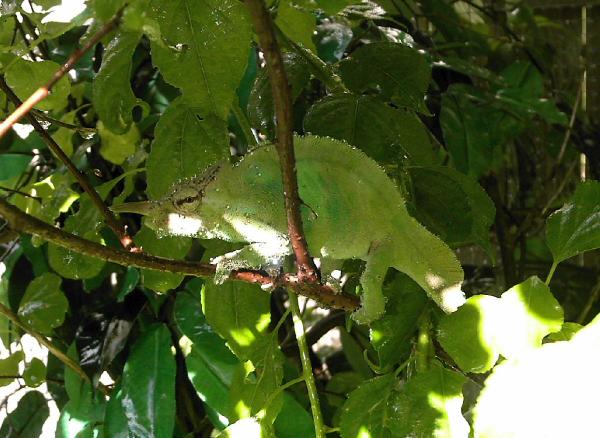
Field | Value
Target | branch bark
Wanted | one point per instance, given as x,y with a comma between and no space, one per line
42,92
109,217
24,223
282,98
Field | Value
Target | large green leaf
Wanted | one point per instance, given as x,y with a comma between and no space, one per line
185,144
552,392
297,24
365,411
452,205
210,364
10,367
117,148
240,313
204,49
168,246
115,421
28,418
384,133
35,373
469,334
149,385
467,134
398,72
12,165
513,325
44,305
575,228
429,405
391,335
24,77
261,110
113,98
531,312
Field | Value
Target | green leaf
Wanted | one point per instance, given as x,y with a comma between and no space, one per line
575,227
566,333
35,373
10,367
391,335
365,410
115,421
185,144
429,405
12,165
28,418
210,364
452,205
171,246
398,72
552,391
44,305
113,98
240,313
531,312
149,385
130,281
513,325
465,127
117,148
382,132
297,24
247,428
261,110
293,420
24,77
469,334
204,49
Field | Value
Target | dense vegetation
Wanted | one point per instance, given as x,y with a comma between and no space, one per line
461,103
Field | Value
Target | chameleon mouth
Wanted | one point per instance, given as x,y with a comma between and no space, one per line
142,207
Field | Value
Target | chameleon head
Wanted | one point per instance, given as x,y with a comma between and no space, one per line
175,214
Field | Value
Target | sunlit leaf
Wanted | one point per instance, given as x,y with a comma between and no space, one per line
24,77
35,373
429,404
116,148
10,367
297,24
551,392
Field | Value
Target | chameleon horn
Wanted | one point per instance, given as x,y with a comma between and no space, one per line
142,207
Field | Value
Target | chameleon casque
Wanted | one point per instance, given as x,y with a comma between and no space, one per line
351,210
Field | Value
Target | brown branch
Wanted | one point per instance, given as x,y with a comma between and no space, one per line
109,217
42,92
60,355
22,222
282,99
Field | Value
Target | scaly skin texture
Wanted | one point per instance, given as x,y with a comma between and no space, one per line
351,210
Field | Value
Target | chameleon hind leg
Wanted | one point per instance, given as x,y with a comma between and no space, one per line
266,256
371,280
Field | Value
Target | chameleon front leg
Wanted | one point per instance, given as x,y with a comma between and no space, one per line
371,280
261,255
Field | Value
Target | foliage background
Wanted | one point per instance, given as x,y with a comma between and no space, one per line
477,110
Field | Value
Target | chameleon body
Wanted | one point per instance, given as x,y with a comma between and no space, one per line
351,209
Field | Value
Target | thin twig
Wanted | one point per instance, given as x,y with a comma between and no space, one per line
563,146
109,217
307,371
282,98
22,222
45,117
589,304
57,352
42,92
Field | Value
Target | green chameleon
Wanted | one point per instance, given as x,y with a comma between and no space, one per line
351,209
